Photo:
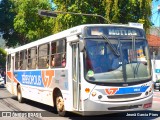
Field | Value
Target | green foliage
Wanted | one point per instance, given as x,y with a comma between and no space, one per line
124,11
116,11
79,6
2,58
21,23
6,23
28,23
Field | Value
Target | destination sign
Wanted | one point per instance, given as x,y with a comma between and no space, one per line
122,32
114,31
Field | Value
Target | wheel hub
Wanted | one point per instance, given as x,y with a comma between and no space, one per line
60,104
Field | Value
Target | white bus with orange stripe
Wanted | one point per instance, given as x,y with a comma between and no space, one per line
89,69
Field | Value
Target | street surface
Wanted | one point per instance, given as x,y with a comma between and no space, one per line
9,106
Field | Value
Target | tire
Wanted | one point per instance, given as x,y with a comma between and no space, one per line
60,105
19,94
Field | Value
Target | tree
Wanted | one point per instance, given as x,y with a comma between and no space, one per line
6,23
79,6
116,11
20,22
28,23
124,11
2,58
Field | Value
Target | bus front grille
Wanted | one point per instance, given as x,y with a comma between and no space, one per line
124,96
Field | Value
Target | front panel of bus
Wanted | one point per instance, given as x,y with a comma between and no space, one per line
117,69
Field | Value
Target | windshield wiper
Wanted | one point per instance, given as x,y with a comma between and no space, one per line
111,46
135,69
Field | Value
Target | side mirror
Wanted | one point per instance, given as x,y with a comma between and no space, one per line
81,45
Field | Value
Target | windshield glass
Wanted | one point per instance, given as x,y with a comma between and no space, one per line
103,65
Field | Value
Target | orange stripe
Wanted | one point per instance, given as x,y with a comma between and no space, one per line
10,76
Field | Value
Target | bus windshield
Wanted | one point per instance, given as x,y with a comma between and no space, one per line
101,64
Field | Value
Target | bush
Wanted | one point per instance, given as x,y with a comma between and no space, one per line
2,58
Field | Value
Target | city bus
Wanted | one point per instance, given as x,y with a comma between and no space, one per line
90,69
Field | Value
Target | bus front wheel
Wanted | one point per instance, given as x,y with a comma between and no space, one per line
19,94
60,105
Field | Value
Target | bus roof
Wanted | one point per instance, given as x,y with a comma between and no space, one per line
69,32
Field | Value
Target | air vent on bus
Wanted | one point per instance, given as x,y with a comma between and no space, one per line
124,96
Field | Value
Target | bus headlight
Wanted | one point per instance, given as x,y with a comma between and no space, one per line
149,91
94,94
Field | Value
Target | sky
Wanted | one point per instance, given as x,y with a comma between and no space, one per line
53,5
155,18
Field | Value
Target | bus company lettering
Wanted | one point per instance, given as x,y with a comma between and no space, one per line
137,89
122,32
31,79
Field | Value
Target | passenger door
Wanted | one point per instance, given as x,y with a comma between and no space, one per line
76,76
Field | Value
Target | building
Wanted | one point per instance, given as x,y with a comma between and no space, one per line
154,37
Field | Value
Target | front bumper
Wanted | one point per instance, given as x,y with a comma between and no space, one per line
100,108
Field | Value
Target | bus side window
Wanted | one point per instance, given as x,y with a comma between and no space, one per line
32,58
23,60
29,58
53,52
43,56
47,65
53,61
58,53
63,60
17,61
57,60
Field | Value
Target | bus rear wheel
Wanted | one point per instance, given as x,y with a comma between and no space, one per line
60,105
19,94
